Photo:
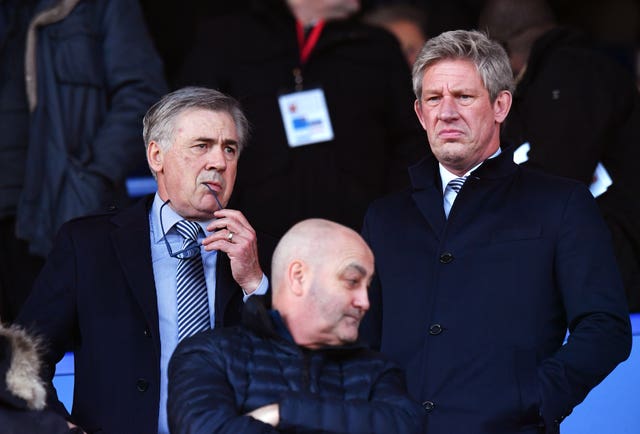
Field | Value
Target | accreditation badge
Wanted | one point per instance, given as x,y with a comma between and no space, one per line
305,117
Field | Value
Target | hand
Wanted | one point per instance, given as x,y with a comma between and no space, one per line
241,247
269,414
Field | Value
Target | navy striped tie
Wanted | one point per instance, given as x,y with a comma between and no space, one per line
451,192
193,305
456,184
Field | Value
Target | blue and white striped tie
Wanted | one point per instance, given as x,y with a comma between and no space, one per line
451,192
457,183
193,305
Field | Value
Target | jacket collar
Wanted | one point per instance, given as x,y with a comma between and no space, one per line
425,173
270,325
427,185
261,321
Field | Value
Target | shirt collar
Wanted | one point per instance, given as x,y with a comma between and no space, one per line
447,176
169,219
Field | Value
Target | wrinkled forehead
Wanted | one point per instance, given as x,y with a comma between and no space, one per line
355,256
205,123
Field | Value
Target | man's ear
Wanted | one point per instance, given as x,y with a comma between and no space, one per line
155,156
417,107
297,277
501,106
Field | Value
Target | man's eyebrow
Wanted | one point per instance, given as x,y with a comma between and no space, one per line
452,89
215,140
431,90
357,268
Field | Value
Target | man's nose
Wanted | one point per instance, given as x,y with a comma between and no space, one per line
361,299
216,159
448,108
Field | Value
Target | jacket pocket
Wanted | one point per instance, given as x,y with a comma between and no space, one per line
527,376
516,233
77,50
82,192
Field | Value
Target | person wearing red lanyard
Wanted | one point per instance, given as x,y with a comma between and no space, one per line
329,100
307,42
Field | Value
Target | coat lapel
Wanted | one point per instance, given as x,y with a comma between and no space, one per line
479,191
427,192
132,243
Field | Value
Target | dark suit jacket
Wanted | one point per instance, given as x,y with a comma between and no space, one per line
476,307
96,296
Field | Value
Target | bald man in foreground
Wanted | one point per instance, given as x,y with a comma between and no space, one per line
298,367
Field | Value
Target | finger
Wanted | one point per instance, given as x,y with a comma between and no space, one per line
217,240
219,245
225,235
223,224
233,219
233,214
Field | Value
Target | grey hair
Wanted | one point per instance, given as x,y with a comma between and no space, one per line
159,121
488,56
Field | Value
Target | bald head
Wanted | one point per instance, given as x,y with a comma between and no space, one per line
320,275
311,241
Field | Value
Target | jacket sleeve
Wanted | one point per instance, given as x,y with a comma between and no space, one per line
134,80
204,403
595,309
388,410
50,311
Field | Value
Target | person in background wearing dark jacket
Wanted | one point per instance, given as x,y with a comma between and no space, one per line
329,101
406,22
122,288
483,265
76,78
298,367
579,113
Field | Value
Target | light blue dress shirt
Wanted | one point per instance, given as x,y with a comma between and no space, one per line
164,273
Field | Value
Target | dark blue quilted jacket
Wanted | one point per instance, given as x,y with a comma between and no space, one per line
217,376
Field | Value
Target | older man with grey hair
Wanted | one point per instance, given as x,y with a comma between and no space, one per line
483,265
122,289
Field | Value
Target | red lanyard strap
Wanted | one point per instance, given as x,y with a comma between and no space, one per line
307,44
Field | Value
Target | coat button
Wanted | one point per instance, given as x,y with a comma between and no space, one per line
147,332
428,406
435,329
142,385
446,257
